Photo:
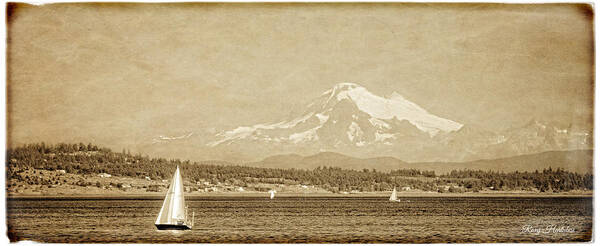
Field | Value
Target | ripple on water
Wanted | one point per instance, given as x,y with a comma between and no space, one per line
305,220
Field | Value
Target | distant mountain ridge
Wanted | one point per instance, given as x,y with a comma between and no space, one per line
349,119
329,159
579,161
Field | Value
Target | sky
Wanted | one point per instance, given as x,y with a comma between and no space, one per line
120,75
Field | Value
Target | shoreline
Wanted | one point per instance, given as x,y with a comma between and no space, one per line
160,195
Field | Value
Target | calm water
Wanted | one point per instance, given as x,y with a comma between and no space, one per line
306,220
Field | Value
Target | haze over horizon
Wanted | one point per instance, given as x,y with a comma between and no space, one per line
121,75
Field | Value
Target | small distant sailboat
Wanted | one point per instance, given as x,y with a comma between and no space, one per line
272,192
394,196
174,214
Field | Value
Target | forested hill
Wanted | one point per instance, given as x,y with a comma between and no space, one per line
90,159
579,161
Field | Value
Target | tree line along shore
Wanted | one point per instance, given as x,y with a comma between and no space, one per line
90,169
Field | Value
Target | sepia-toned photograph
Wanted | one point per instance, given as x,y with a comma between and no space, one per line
299,123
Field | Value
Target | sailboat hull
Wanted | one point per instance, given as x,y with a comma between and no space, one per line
173,227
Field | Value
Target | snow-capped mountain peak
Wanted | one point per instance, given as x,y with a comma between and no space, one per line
349,119
345,114
165,139
394,107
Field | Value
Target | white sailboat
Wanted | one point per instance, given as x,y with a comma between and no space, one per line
173,215
394,196
272,194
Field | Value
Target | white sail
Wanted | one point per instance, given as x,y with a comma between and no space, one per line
272,194
394,197
173,210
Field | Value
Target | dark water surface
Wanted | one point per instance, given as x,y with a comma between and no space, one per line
307,220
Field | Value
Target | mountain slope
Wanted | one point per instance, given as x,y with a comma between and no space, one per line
329,159
348,113
349,119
